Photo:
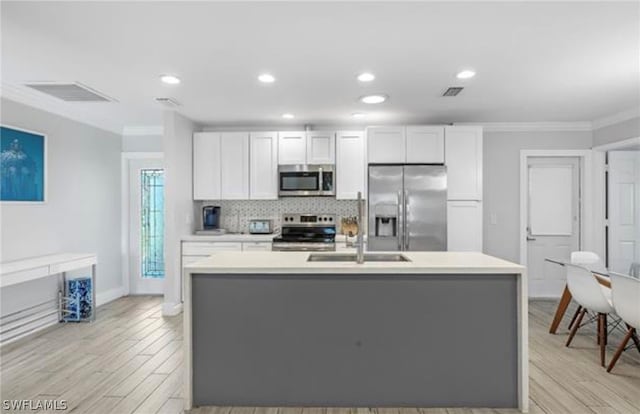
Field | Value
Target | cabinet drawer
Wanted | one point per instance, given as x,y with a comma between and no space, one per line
187,260
207,248
256,247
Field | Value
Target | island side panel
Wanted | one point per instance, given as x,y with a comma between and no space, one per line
355,340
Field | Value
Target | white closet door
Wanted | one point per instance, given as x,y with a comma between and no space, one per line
624,210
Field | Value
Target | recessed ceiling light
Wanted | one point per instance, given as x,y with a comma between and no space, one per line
366,77
373,99
266,78
288,116
358,115
170,79
466,74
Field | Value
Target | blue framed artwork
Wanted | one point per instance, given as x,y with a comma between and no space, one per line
23,157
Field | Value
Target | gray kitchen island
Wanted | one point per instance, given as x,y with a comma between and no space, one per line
442,329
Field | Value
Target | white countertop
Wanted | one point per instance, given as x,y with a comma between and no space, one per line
243,237
230,237
296,262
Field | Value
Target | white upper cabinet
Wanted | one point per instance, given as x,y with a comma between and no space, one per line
464,162
425,144
386,144
350,165
321,147
263,154
292,147
234,166
206,166
464,226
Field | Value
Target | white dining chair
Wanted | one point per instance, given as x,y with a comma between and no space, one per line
626,301
590,295
591,261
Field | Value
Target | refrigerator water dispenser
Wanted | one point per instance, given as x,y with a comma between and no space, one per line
386,226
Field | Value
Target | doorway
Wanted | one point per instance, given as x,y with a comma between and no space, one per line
146,226
553,220
623,200
555,211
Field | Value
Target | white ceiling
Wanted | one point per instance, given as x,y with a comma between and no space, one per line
553,62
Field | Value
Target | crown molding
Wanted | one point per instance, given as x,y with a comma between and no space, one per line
531,126
43,102
616,118
140,130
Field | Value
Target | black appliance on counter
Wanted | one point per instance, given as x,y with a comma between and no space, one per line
210,218
306,232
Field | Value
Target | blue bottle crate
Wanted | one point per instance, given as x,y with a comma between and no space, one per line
79,299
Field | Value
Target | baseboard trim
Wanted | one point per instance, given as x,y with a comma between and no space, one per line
109,296
171,309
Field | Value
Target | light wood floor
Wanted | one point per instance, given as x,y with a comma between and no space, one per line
130,361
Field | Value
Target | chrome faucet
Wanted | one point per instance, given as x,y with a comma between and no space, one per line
360,239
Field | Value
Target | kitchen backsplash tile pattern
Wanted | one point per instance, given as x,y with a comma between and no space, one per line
237,213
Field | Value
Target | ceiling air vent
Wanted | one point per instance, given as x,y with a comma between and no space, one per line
453,91
168,102
70,92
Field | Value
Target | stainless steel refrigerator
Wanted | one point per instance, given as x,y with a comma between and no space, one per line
407,208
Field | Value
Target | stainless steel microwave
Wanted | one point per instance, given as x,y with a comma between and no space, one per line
306,180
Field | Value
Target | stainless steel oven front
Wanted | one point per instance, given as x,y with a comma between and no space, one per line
306,180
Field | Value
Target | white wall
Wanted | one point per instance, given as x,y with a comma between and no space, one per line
179,205
81,213
142,143
502,182
617,132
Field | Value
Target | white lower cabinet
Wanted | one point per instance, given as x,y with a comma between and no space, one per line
256,247
464,226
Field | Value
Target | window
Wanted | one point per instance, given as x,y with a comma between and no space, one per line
152,226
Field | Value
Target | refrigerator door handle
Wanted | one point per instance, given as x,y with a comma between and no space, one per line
399,220
405,201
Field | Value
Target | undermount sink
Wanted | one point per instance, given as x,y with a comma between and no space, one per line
369,257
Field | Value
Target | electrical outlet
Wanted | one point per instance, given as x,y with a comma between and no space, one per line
494,219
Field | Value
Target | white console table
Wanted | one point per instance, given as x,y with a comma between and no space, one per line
24,270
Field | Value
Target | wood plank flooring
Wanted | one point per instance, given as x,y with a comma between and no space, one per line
130,361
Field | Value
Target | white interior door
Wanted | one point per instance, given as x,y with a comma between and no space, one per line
553,226
624,210
146,226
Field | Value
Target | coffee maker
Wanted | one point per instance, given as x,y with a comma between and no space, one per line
210,223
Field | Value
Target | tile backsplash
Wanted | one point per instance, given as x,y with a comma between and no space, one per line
237,213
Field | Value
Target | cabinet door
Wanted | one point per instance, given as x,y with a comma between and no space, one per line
206,166
463,158
350,165
464,226
292,147
263,169
234,166
386,144
425,144
256,247
202,248
321,147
